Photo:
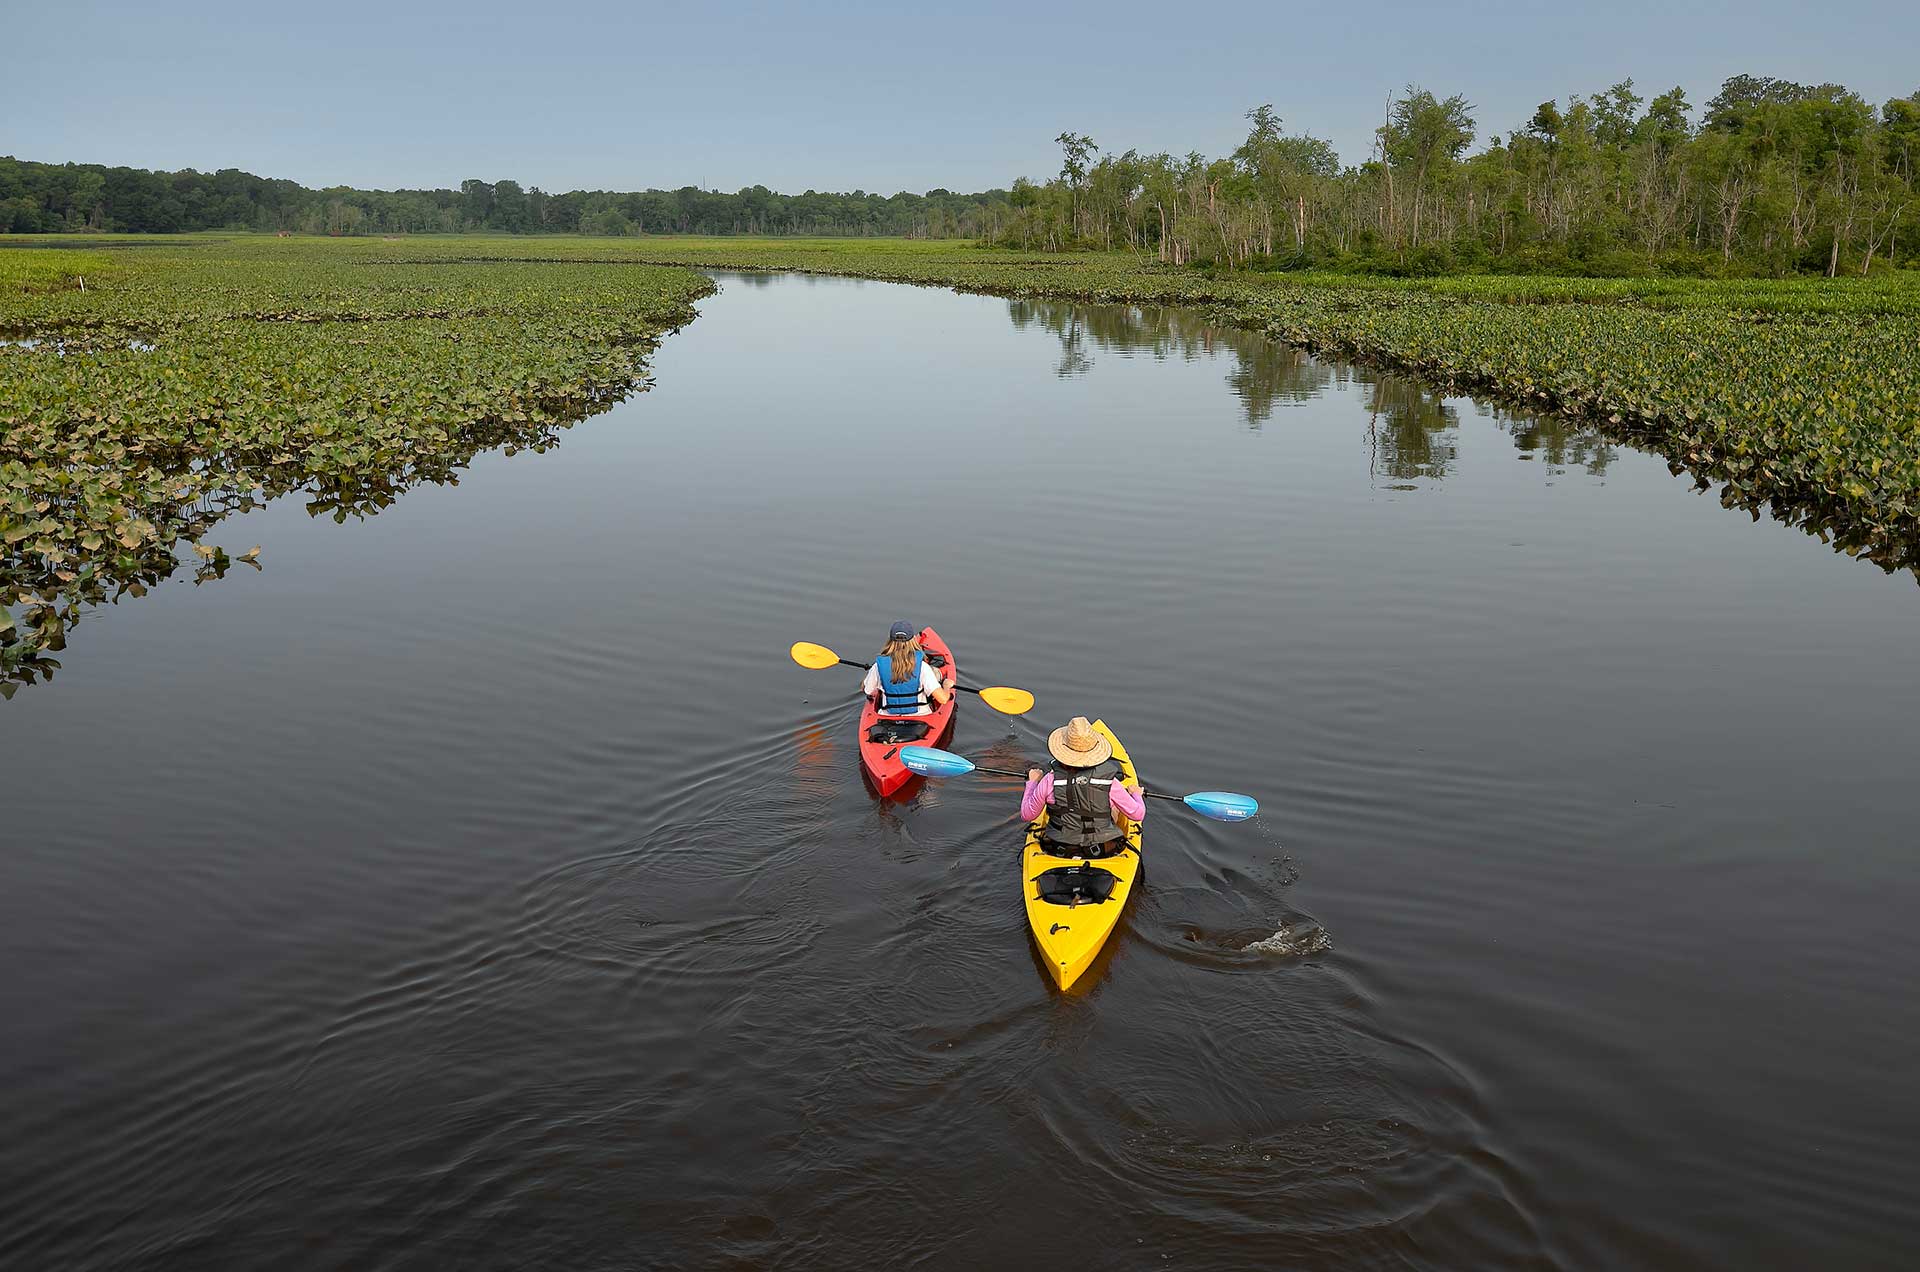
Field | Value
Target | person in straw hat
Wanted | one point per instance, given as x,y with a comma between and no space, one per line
1086,794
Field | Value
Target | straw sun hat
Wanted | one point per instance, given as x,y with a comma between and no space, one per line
1076,745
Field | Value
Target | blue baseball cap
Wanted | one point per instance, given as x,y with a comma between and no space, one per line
902,630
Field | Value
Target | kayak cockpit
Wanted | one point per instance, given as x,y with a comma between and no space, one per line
894,730
1084,884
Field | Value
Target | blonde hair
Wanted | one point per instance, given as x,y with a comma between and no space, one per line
901,651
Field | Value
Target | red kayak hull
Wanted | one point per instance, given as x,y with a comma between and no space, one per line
881,759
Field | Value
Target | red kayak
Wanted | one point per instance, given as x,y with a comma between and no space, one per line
882,735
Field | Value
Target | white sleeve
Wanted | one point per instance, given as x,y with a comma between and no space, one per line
871,685
929,679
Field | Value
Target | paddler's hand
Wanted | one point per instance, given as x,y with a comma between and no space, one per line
1033,775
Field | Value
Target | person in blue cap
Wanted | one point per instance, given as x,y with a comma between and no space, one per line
902,681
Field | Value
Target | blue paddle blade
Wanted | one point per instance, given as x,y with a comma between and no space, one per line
930,761
1219,805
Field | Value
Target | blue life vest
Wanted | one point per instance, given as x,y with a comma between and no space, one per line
900,697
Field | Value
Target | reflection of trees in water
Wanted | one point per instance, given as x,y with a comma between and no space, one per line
1075,357
1269,373
1265,372
1410,430
1408,427
1558,442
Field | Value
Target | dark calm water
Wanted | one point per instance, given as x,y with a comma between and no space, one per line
479,885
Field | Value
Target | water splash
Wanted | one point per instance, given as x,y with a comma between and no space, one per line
1292,941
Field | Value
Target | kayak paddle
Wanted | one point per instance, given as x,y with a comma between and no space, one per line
1224,806
1002,699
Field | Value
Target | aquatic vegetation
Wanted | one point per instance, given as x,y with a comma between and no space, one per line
50,269
201,380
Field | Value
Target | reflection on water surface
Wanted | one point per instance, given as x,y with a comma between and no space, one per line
1408,425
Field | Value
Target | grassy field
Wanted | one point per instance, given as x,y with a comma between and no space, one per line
144,394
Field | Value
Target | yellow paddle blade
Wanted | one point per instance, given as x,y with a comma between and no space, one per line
816,657
1007,701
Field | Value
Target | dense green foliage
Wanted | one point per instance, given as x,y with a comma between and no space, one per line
1776,178
42,198
190,383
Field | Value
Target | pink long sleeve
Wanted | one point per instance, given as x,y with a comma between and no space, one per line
1039,792
1127,800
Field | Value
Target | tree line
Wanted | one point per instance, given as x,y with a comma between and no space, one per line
37,198
1774,178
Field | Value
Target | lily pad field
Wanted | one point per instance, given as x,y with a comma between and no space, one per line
146,394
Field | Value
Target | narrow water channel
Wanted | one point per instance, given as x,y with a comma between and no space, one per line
480,885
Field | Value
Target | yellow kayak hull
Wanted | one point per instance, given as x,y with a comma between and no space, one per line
1070,936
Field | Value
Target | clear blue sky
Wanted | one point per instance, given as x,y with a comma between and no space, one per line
878,97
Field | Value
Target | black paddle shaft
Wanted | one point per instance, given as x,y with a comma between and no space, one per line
1011,773
848,662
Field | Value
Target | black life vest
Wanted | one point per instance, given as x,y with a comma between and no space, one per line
1081,815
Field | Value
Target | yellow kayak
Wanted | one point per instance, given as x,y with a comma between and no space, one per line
1074,902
